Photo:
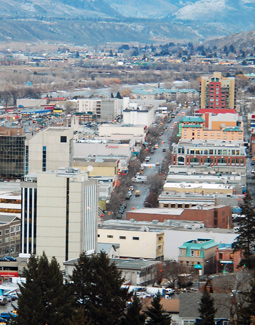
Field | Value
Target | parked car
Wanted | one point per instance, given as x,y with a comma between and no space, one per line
148,158
3,259
164,149
11,258
121,210
128,195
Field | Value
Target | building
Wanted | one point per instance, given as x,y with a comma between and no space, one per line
101,149
123,131
134,244
217,93
197,128
196,253
12,153
208,153
189,304
59,214
207,216
176,232
105,110
49,149
138,115
227,260
10,226
135,272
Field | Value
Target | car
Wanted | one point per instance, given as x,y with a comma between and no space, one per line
131,188
137,193
3,259
121,210
157,163
11,258
148,158
164,150
128,195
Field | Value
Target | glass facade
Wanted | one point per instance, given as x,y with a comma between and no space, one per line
12,157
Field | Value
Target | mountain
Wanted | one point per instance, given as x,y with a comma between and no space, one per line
146,21
56,9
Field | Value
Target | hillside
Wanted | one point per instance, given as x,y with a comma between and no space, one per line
146,21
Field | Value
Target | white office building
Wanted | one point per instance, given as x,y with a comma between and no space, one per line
59,214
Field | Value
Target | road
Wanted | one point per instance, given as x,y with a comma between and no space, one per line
157,156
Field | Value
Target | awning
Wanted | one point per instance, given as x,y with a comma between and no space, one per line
226,262
197,266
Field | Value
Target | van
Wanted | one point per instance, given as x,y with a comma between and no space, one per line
137,193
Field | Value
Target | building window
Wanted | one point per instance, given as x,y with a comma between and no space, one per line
7,239
0,232
122,237
7,231
63,139
135,238
12,229
109,236
17,229
44,159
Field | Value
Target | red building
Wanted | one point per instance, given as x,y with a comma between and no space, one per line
212,216
226,259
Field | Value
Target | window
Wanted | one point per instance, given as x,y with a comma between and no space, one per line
135,238
7,231
1,233
44,159
122,237
211,151
17,228
7,239
109,236
63,139
12,229
220,256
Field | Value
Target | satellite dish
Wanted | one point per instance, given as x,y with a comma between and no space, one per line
89,168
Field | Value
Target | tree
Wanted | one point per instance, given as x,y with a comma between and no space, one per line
133,314
171,270
246,311
245,240
206,309
97,286
43,299
157,315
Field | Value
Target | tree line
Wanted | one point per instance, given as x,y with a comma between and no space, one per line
93,295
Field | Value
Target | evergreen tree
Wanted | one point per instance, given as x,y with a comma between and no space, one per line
118,95
246,310
157,315
206,309
133,314
246,231
97,285
43,298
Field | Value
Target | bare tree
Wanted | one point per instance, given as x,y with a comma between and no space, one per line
171,270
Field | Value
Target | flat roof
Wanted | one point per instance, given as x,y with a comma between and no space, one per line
197,185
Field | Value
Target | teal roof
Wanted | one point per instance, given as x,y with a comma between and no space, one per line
155,91
233,129
191,126
194,119
198,244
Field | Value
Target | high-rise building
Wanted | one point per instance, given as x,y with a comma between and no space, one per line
217,93
12,153
59,214
49,149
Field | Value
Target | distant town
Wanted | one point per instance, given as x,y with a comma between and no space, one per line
143,152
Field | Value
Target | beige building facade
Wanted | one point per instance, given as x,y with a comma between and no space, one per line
135,244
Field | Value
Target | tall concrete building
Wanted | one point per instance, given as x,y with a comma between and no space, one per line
217,92
49,149
59,214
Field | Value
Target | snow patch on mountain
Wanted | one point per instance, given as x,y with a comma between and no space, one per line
201,9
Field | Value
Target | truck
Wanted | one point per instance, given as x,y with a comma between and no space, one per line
139,179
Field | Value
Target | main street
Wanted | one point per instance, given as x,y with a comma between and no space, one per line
151,168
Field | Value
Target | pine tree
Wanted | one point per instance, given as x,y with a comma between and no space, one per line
157,315
206,309
43,298
246,310
97,286
246,231
133,314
